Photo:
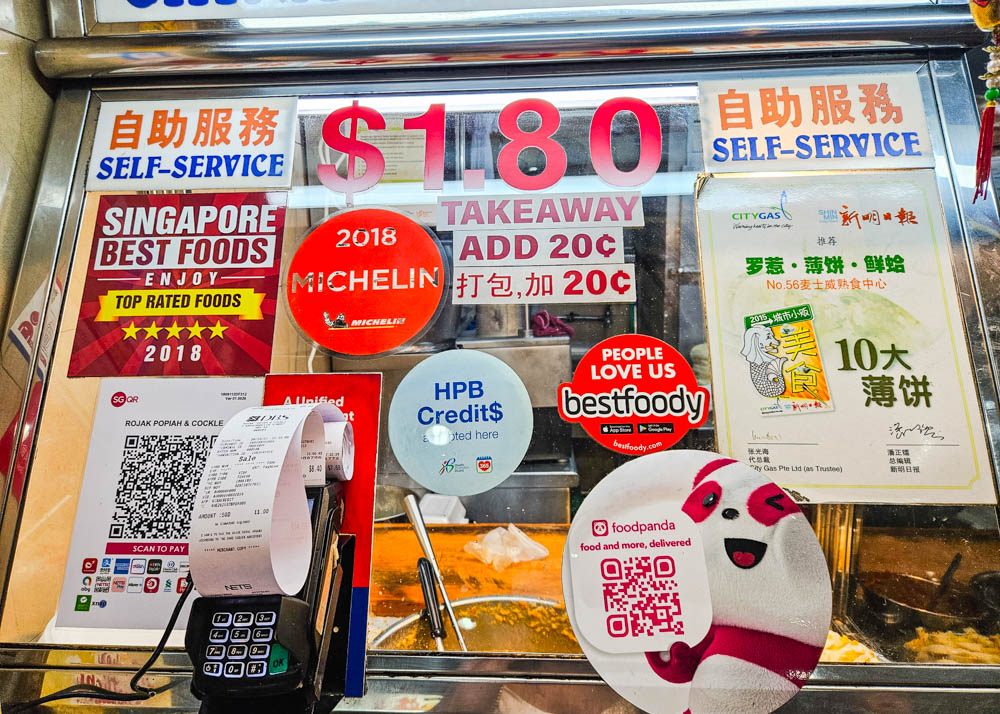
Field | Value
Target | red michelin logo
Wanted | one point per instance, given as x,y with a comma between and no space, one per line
120,399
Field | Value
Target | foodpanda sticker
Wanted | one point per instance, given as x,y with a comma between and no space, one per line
366,282
634,394
460,422
764,575
638,575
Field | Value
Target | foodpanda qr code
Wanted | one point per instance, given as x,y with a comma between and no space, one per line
157,483
641,596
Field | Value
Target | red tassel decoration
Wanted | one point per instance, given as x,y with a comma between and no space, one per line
984,157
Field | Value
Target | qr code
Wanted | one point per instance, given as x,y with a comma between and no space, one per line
157,483
640,596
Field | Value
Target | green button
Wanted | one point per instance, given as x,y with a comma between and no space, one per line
278,663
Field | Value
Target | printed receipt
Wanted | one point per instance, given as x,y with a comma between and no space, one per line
250,527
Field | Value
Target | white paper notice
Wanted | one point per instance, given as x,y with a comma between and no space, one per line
840,365
250,529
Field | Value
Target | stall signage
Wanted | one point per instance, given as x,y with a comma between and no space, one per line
180,284
460,422
534,248
139,10
341,134
634,394
806,123
677,557
841,325
187,144
128,558
358,396
366,282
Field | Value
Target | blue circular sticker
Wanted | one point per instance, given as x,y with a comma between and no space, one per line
460,422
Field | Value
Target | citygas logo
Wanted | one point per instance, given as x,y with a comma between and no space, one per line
602,528
120,399
770,213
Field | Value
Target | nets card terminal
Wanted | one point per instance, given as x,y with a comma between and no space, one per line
269,653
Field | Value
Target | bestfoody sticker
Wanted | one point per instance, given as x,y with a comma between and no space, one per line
460,422
366,282
755,609
634,394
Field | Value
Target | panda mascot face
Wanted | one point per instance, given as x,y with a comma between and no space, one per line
765,568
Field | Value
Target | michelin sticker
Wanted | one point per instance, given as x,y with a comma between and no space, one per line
696,585
460,422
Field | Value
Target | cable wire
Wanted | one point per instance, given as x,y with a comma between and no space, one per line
138,693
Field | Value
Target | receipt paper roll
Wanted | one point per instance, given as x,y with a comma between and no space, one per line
339,450
250,527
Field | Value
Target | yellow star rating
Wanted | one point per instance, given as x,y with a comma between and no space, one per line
131,331
153,330
217,329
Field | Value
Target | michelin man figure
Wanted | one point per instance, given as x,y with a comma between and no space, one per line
770,593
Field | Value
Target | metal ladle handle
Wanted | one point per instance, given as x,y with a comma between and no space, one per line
417,521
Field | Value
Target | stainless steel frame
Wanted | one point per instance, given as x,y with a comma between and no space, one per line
512,37
464,684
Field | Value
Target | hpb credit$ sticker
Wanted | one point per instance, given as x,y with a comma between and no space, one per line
460,422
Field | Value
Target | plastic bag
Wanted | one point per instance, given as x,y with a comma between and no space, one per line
504,546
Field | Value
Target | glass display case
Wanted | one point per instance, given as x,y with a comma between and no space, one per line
895,642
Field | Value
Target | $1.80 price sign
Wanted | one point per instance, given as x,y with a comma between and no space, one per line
432,122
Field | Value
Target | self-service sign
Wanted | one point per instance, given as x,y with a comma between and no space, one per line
366,282
193,143
807,124
634,394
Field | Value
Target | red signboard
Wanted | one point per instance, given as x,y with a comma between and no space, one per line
183,284
634,394
366,282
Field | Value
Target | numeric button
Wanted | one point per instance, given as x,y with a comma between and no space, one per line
221,619
256,669
239,636
214,652
237,652
262,634
266,618
212,669
234,670
259,651
218,635
242,619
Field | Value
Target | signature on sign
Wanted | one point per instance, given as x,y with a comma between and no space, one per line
898,431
